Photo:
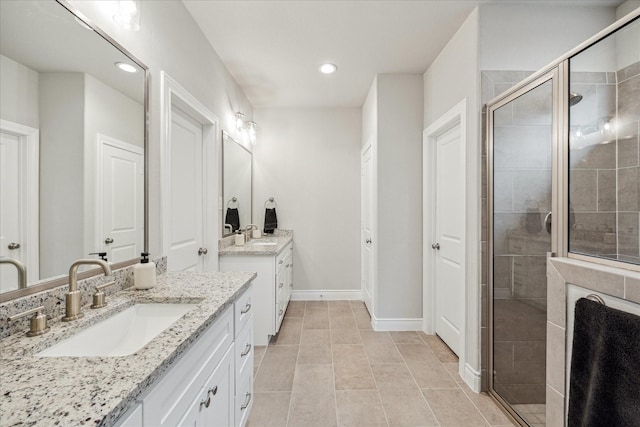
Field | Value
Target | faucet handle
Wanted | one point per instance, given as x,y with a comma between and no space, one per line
99,300
38,322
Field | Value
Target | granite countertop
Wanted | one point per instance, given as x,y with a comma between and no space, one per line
95,391
252,248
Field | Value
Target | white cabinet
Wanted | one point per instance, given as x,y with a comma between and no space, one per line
211,384
272,287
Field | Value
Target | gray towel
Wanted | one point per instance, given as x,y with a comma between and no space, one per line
605,367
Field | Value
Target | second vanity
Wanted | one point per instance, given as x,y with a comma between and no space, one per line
198,371
272,258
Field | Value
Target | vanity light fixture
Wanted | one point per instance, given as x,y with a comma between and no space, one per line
126,67
128,14
239,121
328,68
251,131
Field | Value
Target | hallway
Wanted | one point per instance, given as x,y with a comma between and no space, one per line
327,367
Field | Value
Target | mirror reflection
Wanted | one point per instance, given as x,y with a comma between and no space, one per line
236,184
604,176
72,144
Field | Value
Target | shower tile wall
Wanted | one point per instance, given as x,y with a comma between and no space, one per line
628,167
522,198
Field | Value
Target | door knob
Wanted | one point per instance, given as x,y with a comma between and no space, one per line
202,251
436,246
13,246
108,240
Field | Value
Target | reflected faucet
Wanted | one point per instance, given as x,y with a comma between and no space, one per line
72,299
230,227
22,271
247,232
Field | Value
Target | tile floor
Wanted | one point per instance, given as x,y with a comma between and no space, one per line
327,367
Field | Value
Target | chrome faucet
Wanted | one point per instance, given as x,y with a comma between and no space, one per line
22,271
72,299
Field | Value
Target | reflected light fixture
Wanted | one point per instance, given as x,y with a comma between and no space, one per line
128,14
328,68
126,67
239,121
251,132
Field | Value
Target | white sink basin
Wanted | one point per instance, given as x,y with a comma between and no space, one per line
122,334
263,243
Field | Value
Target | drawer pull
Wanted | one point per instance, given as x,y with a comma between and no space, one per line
213,390
280,285
247,400
281,262
205,403
246,309
280,312
246,351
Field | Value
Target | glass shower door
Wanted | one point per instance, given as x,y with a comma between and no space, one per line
520,170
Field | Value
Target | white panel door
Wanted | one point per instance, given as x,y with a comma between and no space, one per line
366,212
449,238
11,227
121,205
186,195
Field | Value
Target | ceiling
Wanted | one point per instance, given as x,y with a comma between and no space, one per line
274,48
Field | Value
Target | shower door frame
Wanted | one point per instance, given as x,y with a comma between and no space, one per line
559,178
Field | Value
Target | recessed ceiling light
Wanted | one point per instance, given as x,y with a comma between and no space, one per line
328,68
126,67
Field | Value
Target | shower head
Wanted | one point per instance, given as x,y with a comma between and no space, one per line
574,98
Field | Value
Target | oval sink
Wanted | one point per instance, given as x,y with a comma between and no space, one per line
122,334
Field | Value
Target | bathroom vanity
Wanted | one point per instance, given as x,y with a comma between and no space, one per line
272,259
197,371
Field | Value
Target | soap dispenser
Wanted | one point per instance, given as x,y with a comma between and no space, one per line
144,273
239,238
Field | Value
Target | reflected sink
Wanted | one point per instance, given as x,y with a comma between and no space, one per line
122,334
263,243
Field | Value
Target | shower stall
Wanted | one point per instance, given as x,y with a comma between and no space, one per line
563,179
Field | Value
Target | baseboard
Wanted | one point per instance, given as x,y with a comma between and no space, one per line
327,295
472,378
406,324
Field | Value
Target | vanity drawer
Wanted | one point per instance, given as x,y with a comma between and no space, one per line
244,350
243,310
244,398
280,258
172,396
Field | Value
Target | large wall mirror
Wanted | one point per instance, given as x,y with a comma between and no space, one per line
236,185
72,152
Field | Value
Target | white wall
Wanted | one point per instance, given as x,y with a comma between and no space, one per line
399,197
309,161
170,40
528,37
451,78
19,89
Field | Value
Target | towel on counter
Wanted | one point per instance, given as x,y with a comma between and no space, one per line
270,220
232,218
605,367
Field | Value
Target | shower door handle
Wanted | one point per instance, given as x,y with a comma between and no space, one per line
547,222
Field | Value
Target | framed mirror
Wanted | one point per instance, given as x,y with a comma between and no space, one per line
73,149
237,164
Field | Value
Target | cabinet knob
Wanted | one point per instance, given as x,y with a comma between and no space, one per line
108,240
202,251
281,262
435,246
280,312
280,285
13,246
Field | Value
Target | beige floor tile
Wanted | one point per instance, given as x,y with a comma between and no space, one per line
314,354
295,309
289,333
452,408
453,368
342,312
357,304
488,407
402,401
351,368
438,346
359,408
362,318
258,354
409,337
316,319
269,410
380,347
316,304
313,397
345,336
425,367
277,369
315,337
343,323
339,305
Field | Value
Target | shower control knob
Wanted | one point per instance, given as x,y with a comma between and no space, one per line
436,246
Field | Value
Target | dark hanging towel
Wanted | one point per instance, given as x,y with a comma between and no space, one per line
605,367
232,218
270,220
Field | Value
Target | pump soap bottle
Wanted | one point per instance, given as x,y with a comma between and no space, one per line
144,273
